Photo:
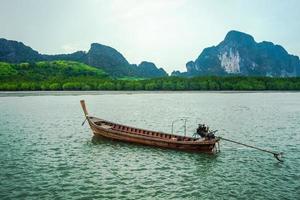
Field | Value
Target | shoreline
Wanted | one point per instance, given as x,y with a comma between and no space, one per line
129,92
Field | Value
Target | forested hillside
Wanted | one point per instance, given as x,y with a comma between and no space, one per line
70,75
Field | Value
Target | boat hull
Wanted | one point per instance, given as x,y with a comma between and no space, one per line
204,146
135,135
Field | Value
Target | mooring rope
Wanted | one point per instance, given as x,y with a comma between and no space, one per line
276,154
84,121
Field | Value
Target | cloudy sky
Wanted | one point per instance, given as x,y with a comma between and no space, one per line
166,32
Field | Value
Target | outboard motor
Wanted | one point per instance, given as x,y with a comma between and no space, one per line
203,132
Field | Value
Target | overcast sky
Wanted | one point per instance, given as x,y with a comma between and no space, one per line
166,32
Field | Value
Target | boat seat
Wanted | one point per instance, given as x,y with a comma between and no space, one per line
105,126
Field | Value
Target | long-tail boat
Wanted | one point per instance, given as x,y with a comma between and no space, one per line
100,127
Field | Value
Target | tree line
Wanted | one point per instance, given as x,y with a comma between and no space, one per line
167,83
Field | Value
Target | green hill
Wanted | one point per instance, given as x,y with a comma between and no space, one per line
47,75
48,70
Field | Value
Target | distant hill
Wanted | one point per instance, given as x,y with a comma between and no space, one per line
16,52
100,56
149,70
47,70
240,54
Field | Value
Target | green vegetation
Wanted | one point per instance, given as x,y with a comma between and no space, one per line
69,75
47,70
131,78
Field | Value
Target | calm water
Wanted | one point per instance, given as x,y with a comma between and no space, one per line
45,153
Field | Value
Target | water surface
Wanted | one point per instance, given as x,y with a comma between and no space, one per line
45,153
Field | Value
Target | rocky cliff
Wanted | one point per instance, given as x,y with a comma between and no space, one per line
240,54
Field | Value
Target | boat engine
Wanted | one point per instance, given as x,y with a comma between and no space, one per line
204,132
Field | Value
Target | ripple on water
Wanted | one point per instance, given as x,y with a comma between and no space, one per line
48,155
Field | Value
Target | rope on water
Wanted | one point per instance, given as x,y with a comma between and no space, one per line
276,154
84,121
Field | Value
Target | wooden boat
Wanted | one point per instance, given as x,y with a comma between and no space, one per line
120,132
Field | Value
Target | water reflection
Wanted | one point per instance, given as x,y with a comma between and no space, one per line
201,160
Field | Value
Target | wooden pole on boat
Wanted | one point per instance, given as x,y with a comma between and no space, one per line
276,154
84,110
83,107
